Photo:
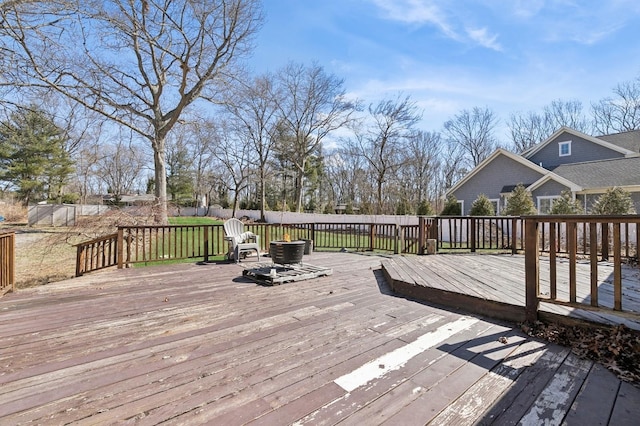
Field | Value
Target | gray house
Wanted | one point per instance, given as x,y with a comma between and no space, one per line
568,160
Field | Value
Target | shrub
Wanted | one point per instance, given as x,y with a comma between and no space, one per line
425,209
520,202
482,207
403,208
566,204
614,201
451,207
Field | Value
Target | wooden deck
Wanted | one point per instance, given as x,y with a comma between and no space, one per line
494,285
201,344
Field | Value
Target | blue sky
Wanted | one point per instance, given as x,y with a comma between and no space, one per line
449,55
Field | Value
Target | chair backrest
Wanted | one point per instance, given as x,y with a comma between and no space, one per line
233,227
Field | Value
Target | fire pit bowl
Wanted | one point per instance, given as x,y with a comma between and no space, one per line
285,252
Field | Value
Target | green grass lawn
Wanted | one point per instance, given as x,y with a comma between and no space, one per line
193,220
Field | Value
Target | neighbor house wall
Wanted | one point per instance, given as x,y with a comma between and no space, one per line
581,150
492,178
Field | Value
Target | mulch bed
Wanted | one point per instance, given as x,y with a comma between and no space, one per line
617,348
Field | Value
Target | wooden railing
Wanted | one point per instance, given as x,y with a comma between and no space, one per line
480,233
97,254
150,244
578,238
7,262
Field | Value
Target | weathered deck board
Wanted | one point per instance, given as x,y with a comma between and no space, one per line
494,284
196,344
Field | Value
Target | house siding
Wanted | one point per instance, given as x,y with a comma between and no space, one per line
550,188
581,150
492,178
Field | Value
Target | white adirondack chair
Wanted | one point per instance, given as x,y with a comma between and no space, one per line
239,240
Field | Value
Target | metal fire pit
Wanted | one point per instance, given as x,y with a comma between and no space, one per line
286,252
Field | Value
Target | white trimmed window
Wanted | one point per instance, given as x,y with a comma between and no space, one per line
461,203
564,148
496,205
545,203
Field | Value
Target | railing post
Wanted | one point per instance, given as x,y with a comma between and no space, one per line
435,232
372,236
206,243
514,235
395,240
422,240
605,241
532,268
120,248
313,233
79,260
472,231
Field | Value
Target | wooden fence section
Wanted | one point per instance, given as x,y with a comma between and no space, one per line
581,238
7,262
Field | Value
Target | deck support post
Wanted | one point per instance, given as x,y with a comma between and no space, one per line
532,268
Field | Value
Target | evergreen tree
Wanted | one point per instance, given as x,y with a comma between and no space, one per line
33,159
520,202
614,201
425,209
403,207
482,207
451,207
566,204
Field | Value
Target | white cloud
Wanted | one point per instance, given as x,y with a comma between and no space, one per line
417,12
483,38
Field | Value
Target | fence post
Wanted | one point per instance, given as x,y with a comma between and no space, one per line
435,231
120,248
532,268
514,235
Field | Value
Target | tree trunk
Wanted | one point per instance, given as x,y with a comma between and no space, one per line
160,214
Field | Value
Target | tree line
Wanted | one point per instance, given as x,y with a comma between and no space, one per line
126,97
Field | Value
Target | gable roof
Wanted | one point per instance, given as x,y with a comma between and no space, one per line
599,141
628,140
602,173
545,174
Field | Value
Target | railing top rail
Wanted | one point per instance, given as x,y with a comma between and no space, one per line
97,240
589,218
167,226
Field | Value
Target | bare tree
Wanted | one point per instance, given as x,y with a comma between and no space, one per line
119,167
138,63
203,137
422,166
253,110
311,105
529,129
235,158
620,113
473,131
383,140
